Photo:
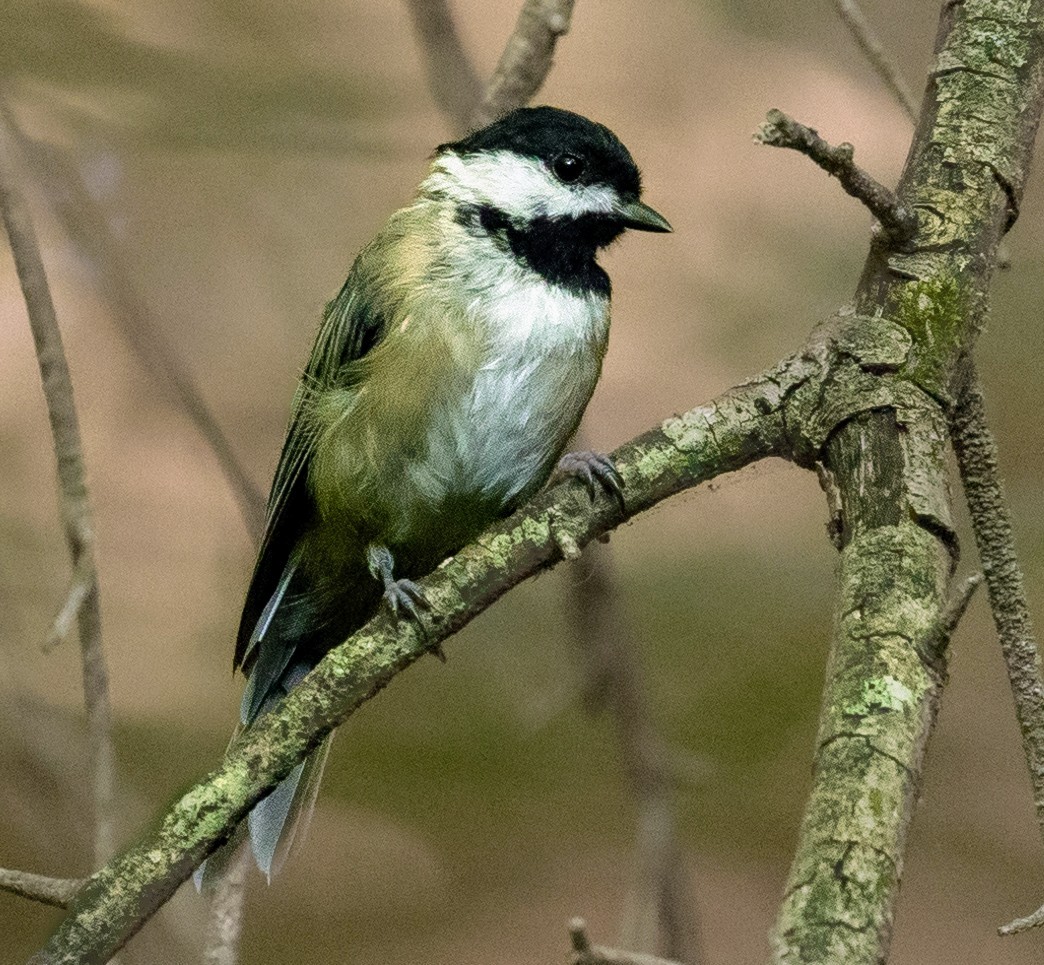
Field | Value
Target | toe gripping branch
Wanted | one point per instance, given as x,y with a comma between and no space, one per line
401,595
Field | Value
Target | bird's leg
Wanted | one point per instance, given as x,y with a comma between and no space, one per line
399,594
590,468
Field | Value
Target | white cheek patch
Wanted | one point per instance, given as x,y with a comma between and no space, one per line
523,188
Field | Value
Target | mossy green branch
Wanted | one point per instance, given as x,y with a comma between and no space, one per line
741,426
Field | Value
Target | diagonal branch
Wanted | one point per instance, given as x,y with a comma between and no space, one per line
76,511
976,453
898,222
526,60
851,13
741,426
87,227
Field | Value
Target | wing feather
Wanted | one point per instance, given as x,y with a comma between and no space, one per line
348,331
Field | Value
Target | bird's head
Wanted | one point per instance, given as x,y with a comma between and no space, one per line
548,183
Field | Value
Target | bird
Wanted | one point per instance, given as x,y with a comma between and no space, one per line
447,378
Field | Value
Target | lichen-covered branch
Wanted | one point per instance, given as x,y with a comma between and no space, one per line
885,477
898,222
526,60
991,523
76,511
739,427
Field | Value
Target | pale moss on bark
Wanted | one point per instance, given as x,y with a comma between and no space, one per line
878,709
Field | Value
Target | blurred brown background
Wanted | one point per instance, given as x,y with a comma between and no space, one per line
243,150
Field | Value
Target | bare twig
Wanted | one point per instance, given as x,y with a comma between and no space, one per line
79,587
584,953
453,81
225,920
614,683
898,222
76,513
58,892
86,225
887,70
526,59
991,522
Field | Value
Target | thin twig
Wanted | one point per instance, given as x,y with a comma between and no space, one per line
79,587
88,228
526,59
887,70
977,461
898,222
451,77
584,953
58,892
613,682
76,512
225,918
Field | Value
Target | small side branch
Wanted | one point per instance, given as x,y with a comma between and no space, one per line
898,222
852,14
584,953
58,892
526,60
76,512
976,453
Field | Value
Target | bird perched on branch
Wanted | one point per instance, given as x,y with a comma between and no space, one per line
446,379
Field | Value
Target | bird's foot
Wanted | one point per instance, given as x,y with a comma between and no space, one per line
593,468
402,596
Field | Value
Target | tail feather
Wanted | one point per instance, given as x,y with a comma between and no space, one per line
282,818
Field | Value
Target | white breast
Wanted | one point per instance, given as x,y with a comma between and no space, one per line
545,348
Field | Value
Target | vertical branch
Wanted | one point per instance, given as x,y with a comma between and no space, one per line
614,682
225,920
976,453
606,644
76,513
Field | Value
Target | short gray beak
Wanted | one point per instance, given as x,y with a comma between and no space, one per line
638,215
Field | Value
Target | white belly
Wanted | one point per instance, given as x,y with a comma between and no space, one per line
501,439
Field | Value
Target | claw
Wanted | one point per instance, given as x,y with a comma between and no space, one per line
400,595
590,467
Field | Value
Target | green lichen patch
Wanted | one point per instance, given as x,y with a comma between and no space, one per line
933,311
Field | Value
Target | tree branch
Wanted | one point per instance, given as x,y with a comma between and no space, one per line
741,426
851,13
607,647
898,222
88,229
58,892
526,60
76,512
976,453
610,654
881,697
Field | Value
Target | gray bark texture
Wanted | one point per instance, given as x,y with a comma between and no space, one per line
865,403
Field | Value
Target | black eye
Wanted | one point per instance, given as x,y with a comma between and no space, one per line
567,167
